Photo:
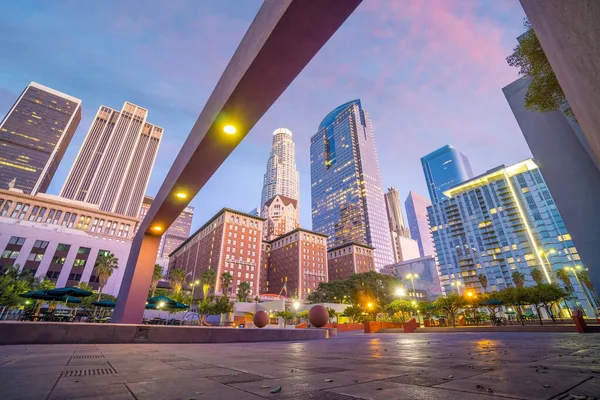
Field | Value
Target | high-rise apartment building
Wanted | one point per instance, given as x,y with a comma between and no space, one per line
228,242
281,214
347,259
565,158
282,176
416,215
347,194
297,263
113,166
500,222
34,136
403,246
176,234
444,168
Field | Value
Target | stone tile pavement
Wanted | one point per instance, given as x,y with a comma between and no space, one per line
465,366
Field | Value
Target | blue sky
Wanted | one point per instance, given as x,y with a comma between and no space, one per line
429,72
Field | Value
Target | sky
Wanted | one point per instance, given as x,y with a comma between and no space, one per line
429,72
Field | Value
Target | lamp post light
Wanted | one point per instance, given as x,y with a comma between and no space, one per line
412,277
400,292
574,270
457,284
552,275
296,305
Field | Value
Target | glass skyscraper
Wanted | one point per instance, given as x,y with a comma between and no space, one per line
444,168
34,136
501,222
416,216
347,194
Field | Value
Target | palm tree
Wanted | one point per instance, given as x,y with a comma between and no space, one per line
177,277
585,279
519,279
243,291
537,276
563,275
483,280
226,280
105,266
208,280
156,276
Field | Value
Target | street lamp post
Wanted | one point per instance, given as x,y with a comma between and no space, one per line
457,284
412,277
574,270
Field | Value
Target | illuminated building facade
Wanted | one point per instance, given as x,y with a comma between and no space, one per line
177,233
281,214
282,176
34,136
501,222
114,163
347,195
347,259
229,242
416,215
297,263
61,239
444,168
403,246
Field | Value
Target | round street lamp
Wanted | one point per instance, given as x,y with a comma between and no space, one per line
400,292
412,277
457,284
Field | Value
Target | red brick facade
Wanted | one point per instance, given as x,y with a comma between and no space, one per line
228,242
298,261
348,259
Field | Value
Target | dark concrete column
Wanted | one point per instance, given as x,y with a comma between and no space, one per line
569,31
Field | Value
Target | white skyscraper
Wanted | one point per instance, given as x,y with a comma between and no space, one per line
282,176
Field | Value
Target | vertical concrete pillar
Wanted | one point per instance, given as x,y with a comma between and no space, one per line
136,279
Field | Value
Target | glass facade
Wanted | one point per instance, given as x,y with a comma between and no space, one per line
444,168
501,222
416,216
34,136
347,195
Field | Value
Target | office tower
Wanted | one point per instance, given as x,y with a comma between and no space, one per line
500,222
297,263
416,215
281,214
425,277
60,239
34,136
403,246
347,259
176,234
444,168
228,242
282,176
114,163
565,158
347,194
255,212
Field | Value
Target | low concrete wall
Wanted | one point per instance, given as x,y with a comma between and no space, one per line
66,333
510,328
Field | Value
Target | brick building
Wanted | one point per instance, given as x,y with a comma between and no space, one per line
350,258
297,261
281,214
229,242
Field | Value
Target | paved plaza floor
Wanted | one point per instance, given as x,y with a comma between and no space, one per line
465,366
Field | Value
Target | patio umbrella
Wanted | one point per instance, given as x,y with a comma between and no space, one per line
161,299
491,302
180,306
70,291
104,303
38,295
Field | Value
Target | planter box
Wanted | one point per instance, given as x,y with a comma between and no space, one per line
374,327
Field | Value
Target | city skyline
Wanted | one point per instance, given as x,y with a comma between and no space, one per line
383,83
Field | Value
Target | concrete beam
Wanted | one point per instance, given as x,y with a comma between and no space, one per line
284,36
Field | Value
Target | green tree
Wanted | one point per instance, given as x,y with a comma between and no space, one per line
176,279
544,93
353,312
208,279
157,274
536,275
488,300
243,291
400,309
483,281
303,314
286,315
517,297
563,275
226,280
518,279
104,268
14,282
450,305
585,279
332,314
544,296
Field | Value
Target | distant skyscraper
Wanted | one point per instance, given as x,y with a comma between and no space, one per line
416,215
402,245
347,195
444,168
500,222
34,136
282,176
114,163
177,233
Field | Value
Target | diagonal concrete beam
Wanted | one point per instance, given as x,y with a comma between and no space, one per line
284,36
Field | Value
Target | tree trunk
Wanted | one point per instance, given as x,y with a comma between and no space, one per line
100,292
539,314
